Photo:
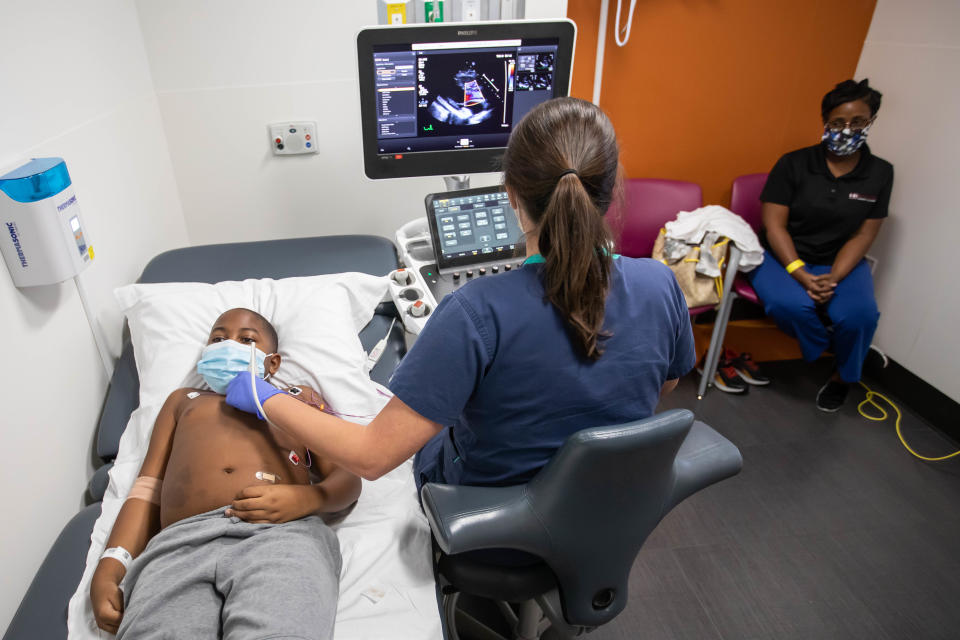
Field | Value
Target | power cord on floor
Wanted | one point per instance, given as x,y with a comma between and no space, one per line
871,394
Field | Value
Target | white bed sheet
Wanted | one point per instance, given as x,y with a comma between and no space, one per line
387,588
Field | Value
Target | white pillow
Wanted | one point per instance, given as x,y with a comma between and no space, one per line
317,319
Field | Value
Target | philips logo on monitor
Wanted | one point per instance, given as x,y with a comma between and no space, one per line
471,32
12,230
67,203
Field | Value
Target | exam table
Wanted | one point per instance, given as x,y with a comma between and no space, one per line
42,614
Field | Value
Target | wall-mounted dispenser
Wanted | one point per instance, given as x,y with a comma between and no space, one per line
43,237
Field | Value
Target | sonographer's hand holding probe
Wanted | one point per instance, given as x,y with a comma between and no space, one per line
240,393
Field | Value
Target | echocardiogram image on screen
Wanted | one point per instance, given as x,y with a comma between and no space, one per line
466,95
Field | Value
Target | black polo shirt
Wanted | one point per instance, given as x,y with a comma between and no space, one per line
825,211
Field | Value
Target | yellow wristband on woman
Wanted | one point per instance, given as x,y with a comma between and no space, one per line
796,264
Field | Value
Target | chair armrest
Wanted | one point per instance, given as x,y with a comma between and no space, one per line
465,518
704,458
97,487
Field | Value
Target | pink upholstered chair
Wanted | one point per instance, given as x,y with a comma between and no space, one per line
745,202
649,204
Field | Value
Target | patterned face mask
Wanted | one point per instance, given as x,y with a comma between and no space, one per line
844,142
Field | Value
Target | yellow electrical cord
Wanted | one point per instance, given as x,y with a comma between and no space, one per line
871,394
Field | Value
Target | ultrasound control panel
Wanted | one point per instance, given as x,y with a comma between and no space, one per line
475,234
441,284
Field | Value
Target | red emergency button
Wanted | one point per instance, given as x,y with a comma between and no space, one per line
278,140
307,136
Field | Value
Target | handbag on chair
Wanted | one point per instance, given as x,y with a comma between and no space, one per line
698,290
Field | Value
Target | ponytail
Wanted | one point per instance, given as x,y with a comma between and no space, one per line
573,241
562,162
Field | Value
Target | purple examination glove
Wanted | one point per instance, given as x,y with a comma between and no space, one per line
240,395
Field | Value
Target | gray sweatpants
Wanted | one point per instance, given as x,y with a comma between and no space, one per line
210,576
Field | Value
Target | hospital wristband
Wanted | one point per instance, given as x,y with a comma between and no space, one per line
119,554
796,264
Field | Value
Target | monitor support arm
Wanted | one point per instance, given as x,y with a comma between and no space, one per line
456,183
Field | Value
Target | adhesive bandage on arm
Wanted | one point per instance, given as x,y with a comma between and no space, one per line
146,488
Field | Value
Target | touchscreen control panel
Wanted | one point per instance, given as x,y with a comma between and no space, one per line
473,227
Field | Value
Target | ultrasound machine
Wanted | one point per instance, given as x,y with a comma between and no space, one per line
442,100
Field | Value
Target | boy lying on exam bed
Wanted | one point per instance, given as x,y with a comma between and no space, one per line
220,535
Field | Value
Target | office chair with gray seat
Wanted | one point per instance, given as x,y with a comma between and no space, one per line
585,514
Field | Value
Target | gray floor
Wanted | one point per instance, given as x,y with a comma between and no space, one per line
832,530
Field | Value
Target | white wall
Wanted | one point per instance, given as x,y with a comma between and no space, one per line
912,55
75,83
224,69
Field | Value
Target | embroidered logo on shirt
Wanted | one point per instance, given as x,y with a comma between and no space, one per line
862,197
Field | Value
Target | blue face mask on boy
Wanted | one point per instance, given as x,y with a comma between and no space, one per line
221,361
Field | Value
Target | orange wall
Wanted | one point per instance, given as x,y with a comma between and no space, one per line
707,90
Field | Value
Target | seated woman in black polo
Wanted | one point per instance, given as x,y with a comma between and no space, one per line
822,208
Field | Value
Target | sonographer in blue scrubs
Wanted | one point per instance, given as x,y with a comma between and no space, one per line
510,365
498,365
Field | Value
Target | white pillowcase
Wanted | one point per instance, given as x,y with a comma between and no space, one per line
317,319
385,541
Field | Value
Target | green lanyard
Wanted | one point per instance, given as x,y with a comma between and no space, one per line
539,259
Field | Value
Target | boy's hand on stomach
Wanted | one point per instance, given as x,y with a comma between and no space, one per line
107,600
274,503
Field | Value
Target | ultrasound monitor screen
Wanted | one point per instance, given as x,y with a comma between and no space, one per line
443,99
458,95
473,226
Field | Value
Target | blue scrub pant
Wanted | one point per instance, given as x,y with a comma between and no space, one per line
852,310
